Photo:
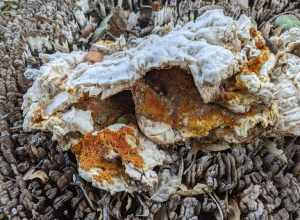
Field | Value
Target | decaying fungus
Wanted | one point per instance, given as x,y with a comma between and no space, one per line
169,109
214,78
101,156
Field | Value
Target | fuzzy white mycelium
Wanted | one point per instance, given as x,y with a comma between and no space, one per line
212,78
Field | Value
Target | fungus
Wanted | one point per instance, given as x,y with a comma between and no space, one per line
212,80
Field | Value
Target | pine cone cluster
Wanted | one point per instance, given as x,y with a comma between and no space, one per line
39,182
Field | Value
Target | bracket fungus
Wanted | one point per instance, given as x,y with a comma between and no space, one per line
209,80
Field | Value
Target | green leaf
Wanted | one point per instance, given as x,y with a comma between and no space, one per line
287,22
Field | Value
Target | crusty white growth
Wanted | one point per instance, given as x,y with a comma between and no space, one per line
50,82
58,103
188,47
159,132
285,81
152,157
78,120
214,50
287,94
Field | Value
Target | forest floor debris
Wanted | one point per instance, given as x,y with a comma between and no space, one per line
255,176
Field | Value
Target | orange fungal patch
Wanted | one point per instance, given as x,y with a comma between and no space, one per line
254,64
37,117
170,96
93,149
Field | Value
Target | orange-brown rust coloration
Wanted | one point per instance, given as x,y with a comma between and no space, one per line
170,96
228,96
108,111
233,93
253,32
91,154
239,85
234,84
254,64
260,44
232,88
117,140
94,56
156,6
37,117
158,109
250,113
207,123
93,149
